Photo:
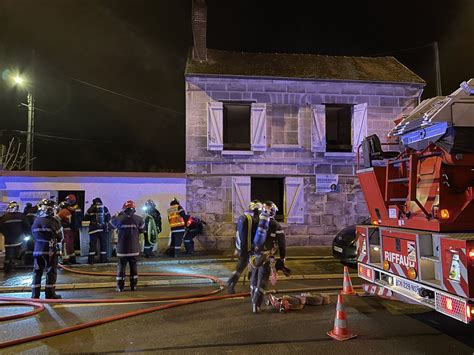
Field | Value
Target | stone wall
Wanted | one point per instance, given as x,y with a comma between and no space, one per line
209,182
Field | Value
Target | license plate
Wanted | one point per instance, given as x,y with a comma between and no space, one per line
339,250
407,286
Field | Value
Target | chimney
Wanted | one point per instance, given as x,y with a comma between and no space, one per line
199,27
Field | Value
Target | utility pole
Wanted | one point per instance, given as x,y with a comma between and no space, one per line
437,68
30,131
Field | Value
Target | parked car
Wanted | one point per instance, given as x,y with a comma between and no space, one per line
344,245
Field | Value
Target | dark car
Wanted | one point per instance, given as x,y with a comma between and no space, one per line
344,246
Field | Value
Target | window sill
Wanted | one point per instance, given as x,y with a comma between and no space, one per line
340,155
237,152
286,147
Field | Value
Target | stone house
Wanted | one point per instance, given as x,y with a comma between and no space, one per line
284,127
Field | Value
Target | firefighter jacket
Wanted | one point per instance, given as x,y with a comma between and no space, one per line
275,238
76,217
129,228
14,226
152,225
246,228
176,217
30,213
47,233
99,216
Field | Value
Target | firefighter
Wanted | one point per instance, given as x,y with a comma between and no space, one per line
77,216
99,218
268,238
48,235
16,229
152,220
194,226
30,212
65,216
246,228
177,219
129,226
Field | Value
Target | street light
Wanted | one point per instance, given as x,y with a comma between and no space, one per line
31,123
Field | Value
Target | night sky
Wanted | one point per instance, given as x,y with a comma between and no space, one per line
138,48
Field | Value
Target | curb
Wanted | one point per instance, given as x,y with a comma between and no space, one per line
170,282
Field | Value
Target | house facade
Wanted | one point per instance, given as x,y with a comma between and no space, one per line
286,128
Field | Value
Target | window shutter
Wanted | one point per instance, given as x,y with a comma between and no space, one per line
214,125
258,126
318,128
294,204
240,195
359,125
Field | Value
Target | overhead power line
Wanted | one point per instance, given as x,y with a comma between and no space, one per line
52,136
127,97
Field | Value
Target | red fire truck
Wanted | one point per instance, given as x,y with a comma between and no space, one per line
420,244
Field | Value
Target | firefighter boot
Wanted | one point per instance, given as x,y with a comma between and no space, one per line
120,285
103,258
50,293
90,259
232,282
255,308
35,291
133,282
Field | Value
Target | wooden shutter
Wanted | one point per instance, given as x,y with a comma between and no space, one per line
294,202
240,195
258,127
359,125
318,128
214,125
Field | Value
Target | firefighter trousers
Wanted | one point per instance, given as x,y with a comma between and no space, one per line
188,237
103,239
176,241
121,271
258,282
68,244
148,248
49,264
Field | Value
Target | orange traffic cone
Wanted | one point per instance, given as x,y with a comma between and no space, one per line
340,330
347,288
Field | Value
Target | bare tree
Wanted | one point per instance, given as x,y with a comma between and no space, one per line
12,157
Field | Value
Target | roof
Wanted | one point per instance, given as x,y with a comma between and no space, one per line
302,66
99,174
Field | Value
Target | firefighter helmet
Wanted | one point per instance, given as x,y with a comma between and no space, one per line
46,207
97,201
129,206
13,206
255,205
271,208
71,199
149,205
174,201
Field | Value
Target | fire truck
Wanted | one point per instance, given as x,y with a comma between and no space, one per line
420,197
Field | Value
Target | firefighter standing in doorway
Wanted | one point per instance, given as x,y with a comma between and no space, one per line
15,228
152,219
177,219
99,218
77,216
246,228
48,235
268,239
129,226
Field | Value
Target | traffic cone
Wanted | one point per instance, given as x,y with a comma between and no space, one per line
347,288
340,330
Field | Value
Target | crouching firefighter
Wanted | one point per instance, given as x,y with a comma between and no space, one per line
194,226
48,235
268,238
129,226
246,228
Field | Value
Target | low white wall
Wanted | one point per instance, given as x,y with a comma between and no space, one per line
113,188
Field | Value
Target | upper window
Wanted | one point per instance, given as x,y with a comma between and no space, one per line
285,124
338,128
236,125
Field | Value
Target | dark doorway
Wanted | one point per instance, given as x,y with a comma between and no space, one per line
236,126
80,197
269,189
338,128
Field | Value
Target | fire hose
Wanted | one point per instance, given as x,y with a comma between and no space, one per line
190,298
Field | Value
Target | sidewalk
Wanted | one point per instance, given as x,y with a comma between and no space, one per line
307,263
